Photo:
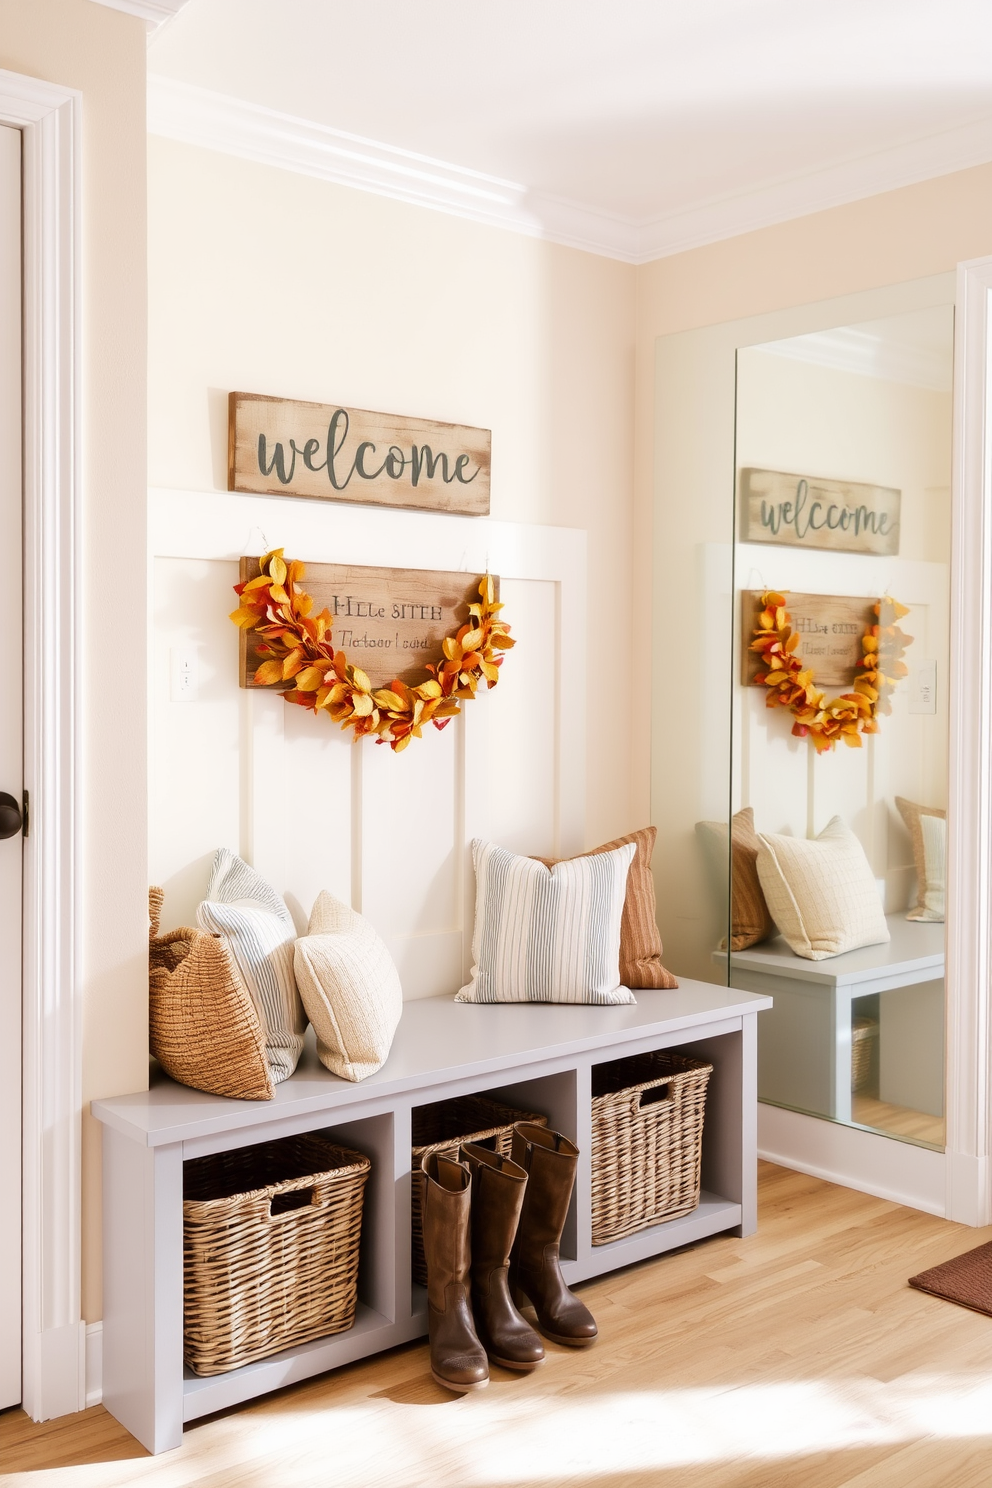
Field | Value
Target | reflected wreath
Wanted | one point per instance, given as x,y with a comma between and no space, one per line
299,650
791,685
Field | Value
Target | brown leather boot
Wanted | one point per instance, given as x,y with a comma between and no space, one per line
458,1360
498,1187
549,1160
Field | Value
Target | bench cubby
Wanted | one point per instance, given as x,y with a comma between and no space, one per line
535,1057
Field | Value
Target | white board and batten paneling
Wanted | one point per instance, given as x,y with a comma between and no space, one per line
389,834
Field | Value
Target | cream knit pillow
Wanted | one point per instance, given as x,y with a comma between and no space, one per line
821,893
350,989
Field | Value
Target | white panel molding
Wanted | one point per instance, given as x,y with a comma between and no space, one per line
233,126
882,1166
969,868
49,118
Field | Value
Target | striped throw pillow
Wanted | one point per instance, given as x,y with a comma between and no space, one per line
259,929
548,934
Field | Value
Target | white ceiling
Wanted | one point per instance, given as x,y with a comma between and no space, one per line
645,124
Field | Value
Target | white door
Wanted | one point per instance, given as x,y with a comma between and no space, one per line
11,764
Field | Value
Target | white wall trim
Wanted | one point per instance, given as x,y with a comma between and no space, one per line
233,126
969,915
215,121
883,1166
847,349
49,117
94,1364
154,13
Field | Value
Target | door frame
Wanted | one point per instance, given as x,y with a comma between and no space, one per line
49,118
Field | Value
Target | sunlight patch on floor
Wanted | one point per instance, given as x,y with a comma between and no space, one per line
505,1437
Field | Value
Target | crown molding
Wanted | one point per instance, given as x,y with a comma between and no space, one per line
848,180
154,13
847,349
198,116
215,121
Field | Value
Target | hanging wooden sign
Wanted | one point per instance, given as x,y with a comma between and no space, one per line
806,511
831,627
281,447
389,621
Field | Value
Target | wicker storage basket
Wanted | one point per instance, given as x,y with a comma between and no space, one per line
647,1133
443,1127
270,1249
864,1033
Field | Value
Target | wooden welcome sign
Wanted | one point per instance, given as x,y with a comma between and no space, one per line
280,447
389,621
831,627
805,511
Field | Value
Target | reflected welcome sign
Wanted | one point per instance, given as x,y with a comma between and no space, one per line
808,511
282,447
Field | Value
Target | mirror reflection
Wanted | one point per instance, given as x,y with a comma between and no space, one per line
837,841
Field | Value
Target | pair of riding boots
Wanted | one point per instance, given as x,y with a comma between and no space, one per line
492,1231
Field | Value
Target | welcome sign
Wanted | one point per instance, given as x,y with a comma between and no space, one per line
282,447
830,627
807,511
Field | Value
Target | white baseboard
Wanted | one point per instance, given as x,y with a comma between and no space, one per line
872,1164
94,1363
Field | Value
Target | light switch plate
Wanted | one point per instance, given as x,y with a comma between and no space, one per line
923,687
183,676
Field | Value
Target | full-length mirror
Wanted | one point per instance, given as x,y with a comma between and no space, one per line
839,734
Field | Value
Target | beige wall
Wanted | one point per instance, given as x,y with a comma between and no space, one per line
102,53
266,281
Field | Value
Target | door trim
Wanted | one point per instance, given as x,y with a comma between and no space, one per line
49,118
969,859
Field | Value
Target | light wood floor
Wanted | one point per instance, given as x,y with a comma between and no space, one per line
797,1358
899,1121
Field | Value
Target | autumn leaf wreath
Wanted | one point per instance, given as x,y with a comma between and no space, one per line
299,650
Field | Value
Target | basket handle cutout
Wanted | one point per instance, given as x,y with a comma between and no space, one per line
658,1095
297,1198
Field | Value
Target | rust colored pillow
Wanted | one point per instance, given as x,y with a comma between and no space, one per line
640,938
202,1024
750,920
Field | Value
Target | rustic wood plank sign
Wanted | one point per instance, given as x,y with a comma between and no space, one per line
831,627
281,447
805,511
389,621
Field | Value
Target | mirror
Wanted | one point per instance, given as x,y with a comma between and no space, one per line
840,594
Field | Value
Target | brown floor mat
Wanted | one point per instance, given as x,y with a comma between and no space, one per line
966,1280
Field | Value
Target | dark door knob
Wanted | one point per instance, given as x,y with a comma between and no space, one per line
10,816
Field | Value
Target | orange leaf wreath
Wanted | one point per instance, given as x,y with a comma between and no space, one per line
790,684
299,650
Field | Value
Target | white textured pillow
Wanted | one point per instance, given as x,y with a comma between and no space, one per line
259,929
821,893
934,891
548,934
350,989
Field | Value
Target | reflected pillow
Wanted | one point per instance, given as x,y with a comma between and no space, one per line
640,938
750,919
350,989
259,930
547,934
822,893
928,829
